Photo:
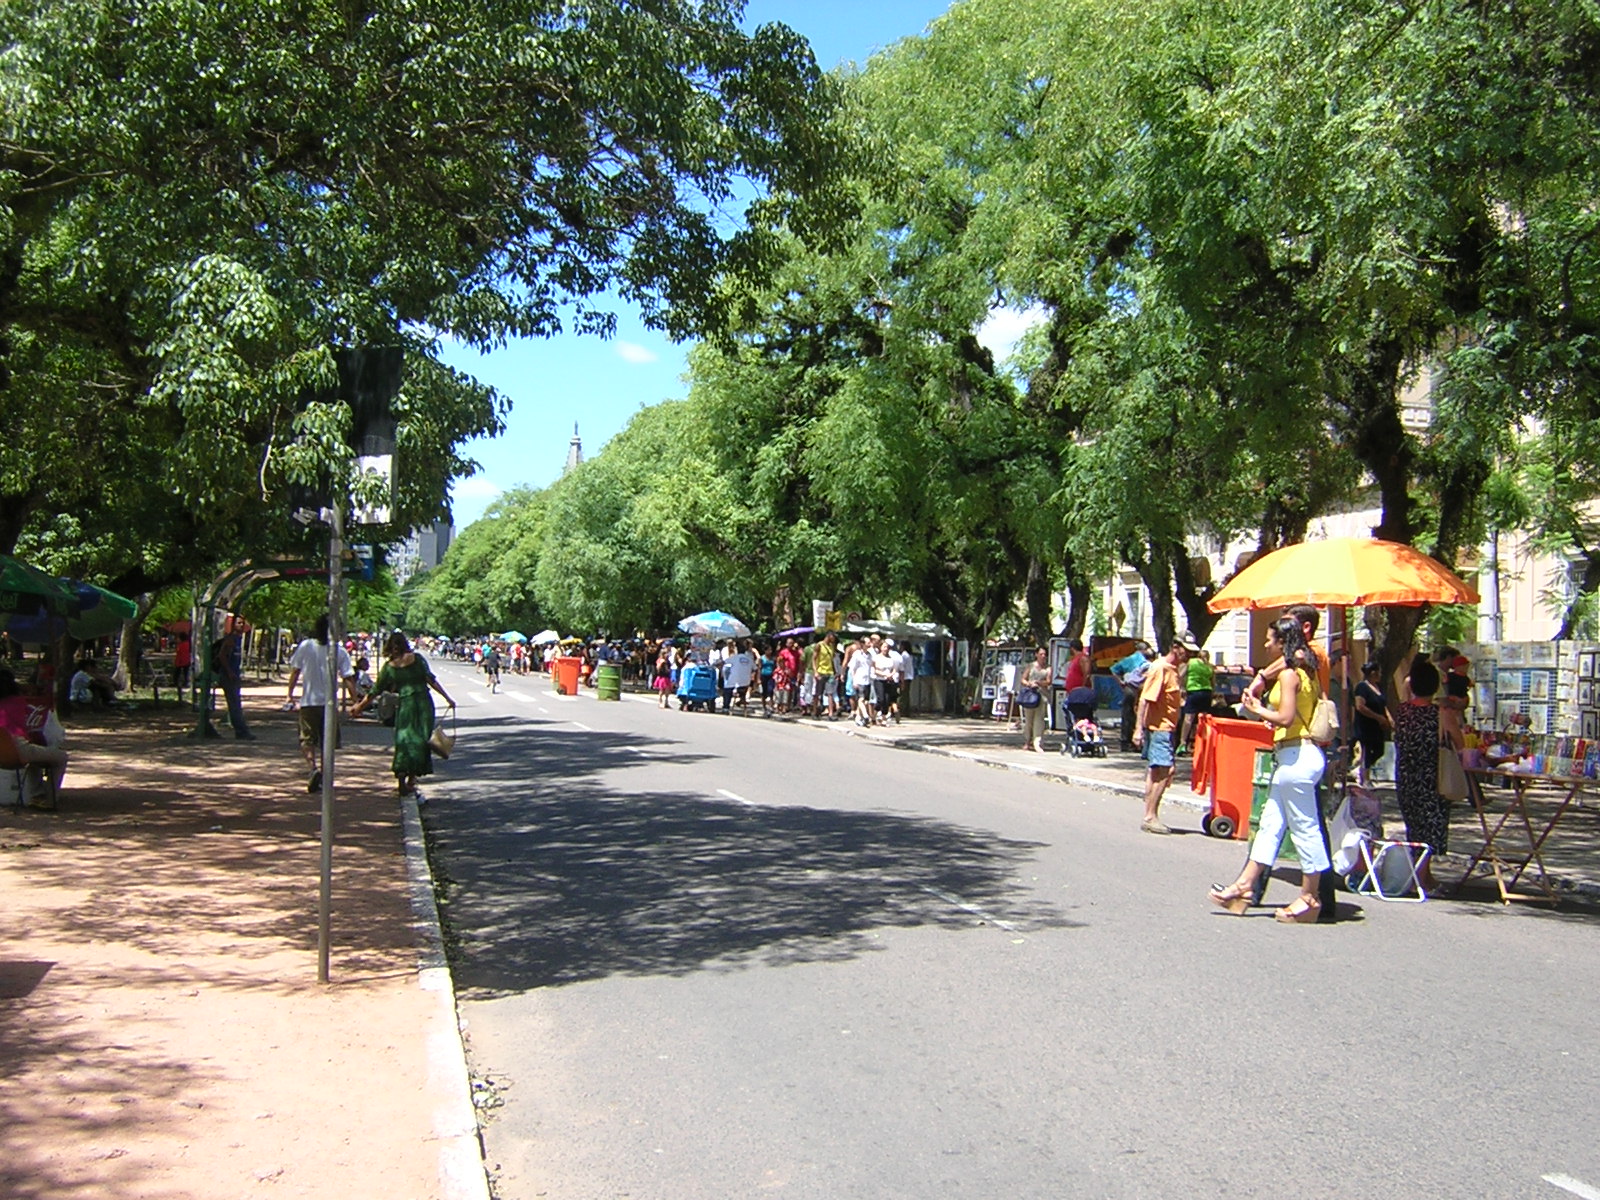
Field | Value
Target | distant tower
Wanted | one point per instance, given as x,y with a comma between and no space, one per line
574,451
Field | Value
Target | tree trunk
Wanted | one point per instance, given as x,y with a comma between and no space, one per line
1156,571
1037,593
1192,597
1394,630
1077,598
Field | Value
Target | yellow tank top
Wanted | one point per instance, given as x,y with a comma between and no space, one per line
1305,704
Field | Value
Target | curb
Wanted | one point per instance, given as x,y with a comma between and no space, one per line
448,1086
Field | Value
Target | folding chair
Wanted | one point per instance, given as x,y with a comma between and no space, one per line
1404,884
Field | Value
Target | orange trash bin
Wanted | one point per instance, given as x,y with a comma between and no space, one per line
1225,769
566,675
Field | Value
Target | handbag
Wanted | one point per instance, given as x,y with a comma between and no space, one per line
1029,697
440,741
1324,724
1452,776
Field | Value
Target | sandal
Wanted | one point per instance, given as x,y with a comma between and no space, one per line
1236,897
1300,911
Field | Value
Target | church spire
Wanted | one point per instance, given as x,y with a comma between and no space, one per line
574,450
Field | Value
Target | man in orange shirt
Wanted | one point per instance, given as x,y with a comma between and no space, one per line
1156,726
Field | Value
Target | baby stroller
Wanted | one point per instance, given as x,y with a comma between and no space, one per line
1084,739
697,687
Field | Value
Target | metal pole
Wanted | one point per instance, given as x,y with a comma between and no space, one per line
330,725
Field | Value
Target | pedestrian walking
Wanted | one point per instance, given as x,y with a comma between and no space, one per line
308,666
1155,728
1297,769
1033,699
408,676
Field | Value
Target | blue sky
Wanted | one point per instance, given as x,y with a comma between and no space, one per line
598,383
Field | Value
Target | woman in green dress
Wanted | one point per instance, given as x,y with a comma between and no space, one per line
406,673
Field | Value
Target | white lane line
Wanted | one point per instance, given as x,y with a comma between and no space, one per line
477,697
958,902
1576,1186
582,726
523,696
736,798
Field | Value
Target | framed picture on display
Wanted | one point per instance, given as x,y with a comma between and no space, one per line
1538,685
1542,654
1508,683
1586,663
1591,725
1513,654
1585,693
1507,710
1539,718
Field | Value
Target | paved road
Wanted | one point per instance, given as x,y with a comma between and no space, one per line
710,957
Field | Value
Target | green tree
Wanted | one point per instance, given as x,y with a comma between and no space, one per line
199,200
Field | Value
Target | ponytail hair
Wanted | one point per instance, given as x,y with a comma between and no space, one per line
1297,652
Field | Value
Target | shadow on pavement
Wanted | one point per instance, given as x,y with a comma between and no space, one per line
550,878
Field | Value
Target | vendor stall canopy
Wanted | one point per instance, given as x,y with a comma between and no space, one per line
37,609
1345,571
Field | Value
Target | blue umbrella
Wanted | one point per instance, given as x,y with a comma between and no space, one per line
715,624
513,636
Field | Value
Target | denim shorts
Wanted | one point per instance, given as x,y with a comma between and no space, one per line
1158,747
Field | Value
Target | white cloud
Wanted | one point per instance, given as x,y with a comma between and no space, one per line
632,352
475,487
1003,329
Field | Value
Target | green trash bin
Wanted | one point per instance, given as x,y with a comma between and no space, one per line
608,682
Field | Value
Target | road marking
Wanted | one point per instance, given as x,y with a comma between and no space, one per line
958,902
477,697
1576,1186
582,726
523,696
736,798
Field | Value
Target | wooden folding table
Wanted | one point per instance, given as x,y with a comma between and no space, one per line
1517,823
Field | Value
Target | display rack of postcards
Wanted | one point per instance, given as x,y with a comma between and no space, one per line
1548,689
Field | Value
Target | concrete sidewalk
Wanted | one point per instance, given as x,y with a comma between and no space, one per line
161,1026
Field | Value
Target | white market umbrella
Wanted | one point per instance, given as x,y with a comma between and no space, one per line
715,624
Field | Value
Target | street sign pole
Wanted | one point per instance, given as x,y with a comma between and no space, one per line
330,725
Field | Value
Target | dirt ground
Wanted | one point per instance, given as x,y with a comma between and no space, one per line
162,1033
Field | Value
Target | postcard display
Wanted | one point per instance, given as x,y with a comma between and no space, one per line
1555,685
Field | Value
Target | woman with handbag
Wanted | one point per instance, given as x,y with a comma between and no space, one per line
1416,753
407,674
1033,700
1290,708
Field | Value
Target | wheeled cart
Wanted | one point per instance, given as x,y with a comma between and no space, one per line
1226,766
697,687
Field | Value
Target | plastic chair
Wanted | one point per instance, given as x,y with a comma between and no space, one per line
11,760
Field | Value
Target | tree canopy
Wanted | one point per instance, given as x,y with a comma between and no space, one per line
1286,257
202,200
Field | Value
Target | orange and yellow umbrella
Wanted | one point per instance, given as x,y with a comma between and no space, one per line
1343,571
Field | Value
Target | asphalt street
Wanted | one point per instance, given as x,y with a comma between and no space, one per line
707,957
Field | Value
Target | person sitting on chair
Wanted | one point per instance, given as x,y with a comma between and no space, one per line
24,720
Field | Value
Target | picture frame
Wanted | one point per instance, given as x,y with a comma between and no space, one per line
1539,718
1513,654
1539,685
1591,726
1586,664
1542,654
1505,711
1508,683
1585,697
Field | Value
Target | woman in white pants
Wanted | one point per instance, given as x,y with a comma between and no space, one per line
1292,797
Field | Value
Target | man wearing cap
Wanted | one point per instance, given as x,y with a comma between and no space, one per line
1156,726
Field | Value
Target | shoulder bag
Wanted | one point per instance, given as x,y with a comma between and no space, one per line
1452,775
